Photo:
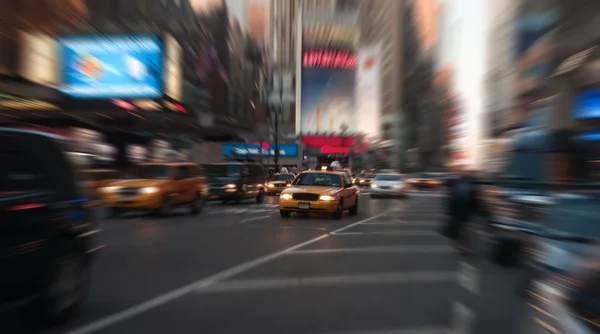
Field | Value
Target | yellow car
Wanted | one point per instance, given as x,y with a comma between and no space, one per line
158,187
320,192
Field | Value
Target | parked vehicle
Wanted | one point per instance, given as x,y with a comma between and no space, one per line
236,181
158,187
47,229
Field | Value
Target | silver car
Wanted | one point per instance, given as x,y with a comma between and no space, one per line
389,185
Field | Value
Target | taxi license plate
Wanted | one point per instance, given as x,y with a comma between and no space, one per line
304,206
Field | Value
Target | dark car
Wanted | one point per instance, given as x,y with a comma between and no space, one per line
278,182
47,230
236,181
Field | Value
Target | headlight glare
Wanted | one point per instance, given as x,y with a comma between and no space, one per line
326,198
149,190
230,186
286,196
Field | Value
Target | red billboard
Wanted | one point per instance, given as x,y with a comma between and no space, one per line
330,144
318,141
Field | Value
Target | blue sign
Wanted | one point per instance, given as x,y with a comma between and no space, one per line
255,150
105,67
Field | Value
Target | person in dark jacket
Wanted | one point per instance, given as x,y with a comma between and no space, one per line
463,202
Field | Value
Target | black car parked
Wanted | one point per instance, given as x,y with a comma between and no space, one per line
47,230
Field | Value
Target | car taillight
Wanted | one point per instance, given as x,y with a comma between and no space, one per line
26,207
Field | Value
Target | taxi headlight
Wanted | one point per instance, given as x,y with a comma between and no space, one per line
230,186
270,185
326,198
362,181
149,190
286,196
373,185
110,189
288,185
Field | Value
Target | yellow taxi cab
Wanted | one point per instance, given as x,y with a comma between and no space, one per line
96,179
320,192
158,187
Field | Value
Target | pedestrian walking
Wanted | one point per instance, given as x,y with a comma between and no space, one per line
463,203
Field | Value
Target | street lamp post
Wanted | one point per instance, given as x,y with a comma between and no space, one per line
281,94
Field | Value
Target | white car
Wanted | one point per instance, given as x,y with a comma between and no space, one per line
389,185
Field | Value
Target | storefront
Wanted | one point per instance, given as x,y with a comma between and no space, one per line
327,149
289,154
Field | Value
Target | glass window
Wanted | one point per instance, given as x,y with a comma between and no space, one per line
159,172
282,177
18,172
389,177
319,179
223,170
183,172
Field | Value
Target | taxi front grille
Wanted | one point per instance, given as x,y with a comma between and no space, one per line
305,197
128,191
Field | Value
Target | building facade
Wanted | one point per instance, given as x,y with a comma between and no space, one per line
501,76
382,22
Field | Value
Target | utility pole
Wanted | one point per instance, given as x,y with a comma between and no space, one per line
276,137
280,96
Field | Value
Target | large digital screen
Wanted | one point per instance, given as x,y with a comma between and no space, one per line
255,150
328,104
104,67
329,59
587,105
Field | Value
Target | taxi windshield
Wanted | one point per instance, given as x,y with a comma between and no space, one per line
282,177
369,176
159,172
318,179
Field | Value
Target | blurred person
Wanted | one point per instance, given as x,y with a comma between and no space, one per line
463,202
283,169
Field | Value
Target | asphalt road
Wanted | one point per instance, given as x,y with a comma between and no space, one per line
243,269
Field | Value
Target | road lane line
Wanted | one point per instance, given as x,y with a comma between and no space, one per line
417,330
172,295
462,319
408,249
252,219
468,277
408,233
271,283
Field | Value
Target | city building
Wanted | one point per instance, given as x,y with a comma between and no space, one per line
382,22
425,114
501,76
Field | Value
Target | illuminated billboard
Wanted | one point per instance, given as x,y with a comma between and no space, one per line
327,99
368,91
104,67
